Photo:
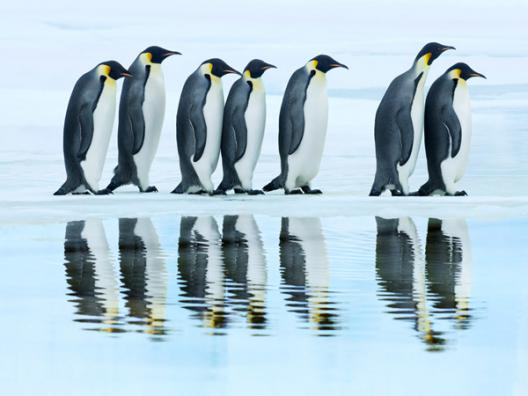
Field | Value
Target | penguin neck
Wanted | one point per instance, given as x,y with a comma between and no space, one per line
205,70
421,67
256,83
103,71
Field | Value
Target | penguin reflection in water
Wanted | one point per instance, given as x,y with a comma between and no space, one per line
411,283
448,130
306,274
399,124
88,126
199,126
243,129
302,126
141,113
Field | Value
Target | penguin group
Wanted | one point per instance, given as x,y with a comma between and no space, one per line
207,127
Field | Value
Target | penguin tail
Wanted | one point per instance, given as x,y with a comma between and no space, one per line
275,184
179,189
426,190
68,186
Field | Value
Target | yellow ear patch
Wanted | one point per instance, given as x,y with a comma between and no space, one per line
247,74
148,55
315,63
455,73
427,57
104,70
210,65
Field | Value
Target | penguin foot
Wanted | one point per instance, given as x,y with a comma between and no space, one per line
255,192
461,194
239,191
104,191
397,193
81,193
308,190
219,192
150,189
201,192
297,191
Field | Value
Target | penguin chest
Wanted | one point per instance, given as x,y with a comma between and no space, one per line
103,121
304,163
153,113
213,112
255,118
417,117
462,107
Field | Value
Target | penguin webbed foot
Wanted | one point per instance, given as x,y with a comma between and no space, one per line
462,193
309,190
297,191
104,191
219,192
397,193
82,193
150,189
239,191
255,192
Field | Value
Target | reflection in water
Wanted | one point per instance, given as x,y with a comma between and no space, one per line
305,272
201,270
143,274
245,266
420,289
90,273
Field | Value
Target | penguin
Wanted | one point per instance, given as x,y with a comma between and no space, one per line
302,126
141,113
88,126
199,126
399,124
448,130
243,129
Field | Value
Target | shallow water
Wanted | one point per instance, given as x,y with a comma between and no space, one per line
224,301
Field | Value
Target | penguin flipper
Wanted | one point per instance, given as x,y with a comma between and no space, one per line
137,122
452,125
199,128
297,133
87,128
239,125
405,126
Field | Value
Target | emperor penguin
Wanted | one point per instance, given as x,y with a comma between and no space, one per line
88,126
243,129
302,126
141,113
399,124
199,126
448,130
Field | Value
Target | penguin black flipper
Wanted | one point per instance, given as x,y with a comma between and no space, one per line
294,120
87,129
199,128
136,118
405,126
452,125
240,128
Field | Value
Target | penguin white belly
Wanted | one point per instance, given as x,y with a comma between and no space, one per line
453,168
213,113
417,117
255,118
103,122
153,113
303,164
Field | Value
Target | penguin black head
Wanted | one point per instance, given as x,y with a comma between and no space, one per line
113,70
157,54
256,68
431,51
323,63
218,68
462,71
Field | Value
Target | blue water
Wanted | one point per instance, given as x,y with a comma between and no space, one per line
243,304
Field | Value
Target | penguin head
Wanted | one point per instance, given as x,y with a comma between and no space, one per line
217,68
462,71
430,52
155,54
112,69
324,63
256,68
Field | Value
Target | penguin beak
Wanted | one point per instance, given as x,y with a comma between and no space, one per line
268,66
228,71
476,74
170,53
448,47
337,64
126,74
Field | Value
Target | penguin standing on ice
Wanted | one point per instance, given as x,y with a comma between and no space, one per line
399,124
199,126
302,126
243,129
448,130
88,126
141,113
